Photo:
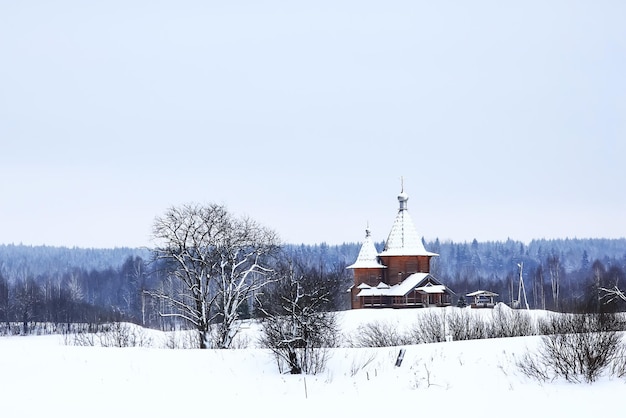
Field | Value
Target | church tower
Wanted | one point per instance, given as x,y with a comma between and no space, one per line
404,252
367,269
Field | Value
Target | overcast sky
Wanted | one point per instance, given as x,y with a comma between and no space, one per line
505,118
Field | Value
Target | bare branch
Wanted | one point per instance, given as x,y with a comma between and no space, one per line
612,294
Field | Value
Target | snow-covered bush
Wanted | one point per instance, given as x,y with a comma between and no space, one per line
463,324
437,325
577,348
181,339
379,334
507,322
431,327
121,334
117,334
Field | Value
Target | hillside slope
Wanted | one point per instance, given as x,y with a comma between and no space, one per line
40,376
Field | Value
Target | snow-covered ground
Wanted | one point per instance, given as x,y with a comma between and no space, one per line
41,376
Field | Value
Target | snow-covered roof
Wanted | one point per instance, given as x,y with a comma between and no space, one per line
368,255
403,288
481,293
373,291
408,284
437,288
403,238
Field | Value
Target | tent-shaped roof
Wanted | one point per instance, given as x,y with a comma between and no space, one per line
403,238
368,255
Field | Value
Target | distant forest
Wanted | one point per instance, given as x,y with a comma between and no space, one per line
75,285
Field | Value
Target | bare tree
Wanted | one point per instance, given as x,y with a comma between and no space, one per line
539,296
219,261
75,288
5,301
132,291
554,269
27,297
297,325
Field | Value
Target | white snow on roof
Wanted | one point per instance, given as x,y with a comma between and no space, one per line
399,289
430,288
373,291
368,255
403,238
408,284
481,293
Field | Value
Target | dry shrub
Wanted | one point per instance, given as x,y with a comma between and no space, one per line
577,348
379,334
507,322
463,325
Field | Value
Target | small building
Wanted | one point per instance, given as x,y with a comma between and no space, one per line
399,276
482,299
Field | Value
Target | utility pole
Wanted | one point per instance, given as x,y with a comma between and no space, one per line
521,286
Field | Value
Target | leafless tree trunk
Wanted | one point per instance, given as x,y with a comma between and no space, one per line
5,301
27,296
554,268
597,286
539,292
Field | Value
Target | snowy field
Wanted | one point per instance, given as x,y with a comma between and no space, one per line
41,376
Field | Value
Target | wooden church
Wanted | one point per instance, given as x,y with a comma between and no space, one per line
399,276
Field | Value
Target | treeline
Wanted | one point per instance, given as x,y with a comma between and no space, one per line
71,285
77,295
41,260
40,285
560,275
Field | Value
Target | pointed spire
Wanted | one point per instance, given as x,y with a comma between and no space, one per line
403,238
368,255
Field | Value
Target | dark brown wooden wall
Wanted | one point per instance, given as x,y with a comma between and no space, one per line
400,267
368,276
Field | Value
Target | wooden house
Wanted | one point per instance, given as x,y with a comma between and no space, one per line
399,276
